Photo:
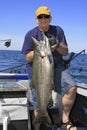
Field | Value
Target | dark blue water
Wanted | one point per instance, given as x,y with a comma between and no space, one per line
14,60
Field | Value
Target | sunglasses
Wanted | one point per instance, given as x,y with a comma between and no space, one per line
43,16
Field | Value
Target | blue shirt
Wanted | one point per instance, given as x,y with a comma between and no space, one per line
56,31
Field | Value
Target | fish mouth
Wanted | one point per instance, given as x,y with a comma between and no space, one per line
42,57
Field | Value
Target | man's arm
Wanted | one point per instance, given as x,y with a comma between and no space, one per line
61,48
29,56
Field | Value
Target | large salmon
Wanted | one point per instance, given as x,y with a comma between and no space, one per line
42,77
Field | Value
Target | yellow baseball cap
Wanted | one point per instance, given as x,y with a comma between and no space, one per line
42,10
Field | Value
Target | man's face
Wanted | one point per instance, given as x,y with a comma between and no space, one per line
43,20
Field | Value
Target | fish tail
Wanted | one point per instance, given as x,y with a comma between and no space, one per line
43,118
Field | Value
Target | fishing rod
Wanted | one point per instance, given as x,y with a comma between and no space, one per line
78,54
72,56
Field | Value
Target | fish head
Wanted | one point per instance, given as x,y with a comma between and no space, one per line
42,48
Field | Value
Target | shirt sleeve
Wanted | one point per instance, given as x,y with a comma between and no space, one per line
61,36
27,45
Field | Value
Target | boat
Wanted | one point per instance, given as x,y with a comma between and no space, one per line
15,114
13,102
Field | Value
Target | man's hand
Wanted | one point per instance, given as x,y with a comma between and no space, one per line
62,49
54,47
29,56
52,40
53,43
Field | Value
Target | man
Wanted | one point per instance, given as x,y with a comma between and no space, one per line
59,48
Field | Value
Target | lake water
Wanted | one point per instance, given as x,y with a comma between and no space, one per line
10,60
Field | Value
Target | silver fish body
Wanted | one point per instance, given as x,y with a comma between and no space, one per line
42,77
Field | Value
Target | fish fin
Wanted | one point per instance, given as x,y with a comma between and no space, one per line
43,118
